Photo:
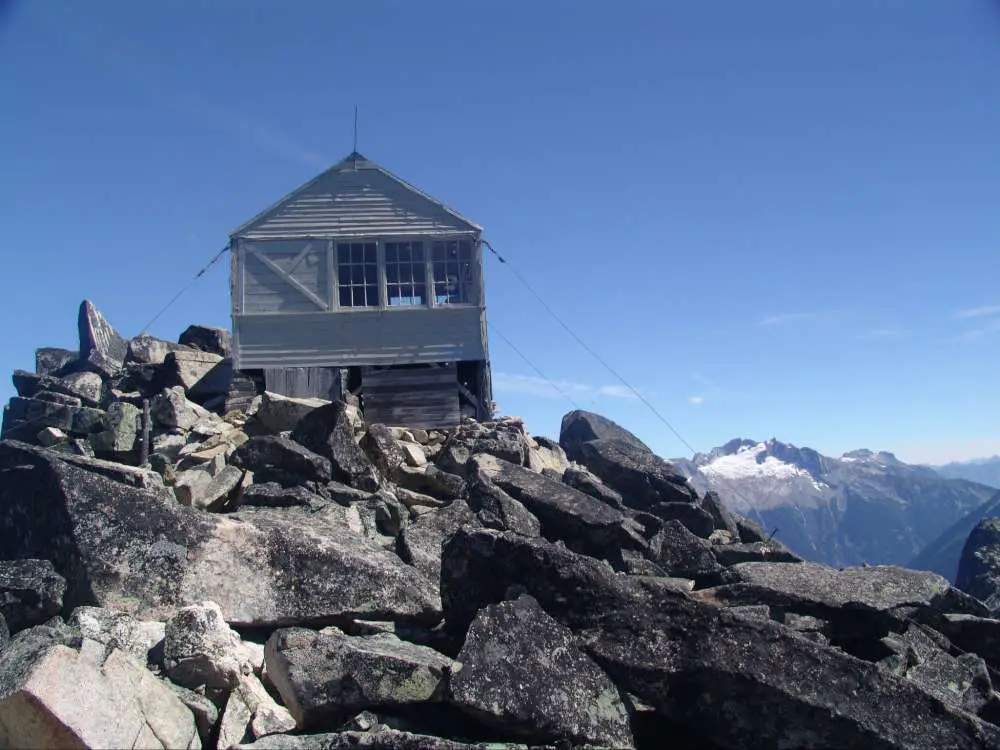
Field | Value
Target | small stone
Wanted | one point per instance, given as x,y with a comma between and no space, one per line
50,436
414,454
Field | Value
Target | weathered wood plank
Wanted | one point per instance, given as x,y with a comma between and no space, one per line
304,382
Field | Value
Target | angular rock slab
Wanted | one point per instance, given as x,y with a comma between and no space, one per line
330,676
56,696
280,413
879,588
207,339
142,639
31,592
479,567
744,684
101,347
498,510
329,431
581,426
522,672
565,513
420,543
138,551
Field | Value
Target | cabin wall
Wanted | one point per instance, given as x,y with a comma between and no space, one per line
360,337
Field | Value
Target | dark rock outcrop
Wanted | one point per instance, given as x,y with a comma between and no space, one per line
979,567
31,593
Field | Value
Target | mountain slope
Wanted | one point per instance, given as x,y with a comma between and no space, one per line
982,470
943,553
865,506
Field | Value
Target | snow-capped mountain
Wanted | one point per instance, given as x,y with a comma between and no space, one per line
864,506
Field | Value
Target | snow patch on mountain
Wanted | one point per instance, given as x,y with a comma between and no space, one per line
754,462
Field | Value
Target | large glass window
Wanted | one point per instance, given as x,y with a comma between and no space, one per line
452,262
405,273
357,269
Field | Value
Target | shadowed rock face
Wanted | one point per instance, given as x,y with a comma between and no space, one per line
522,672
137,550
979,567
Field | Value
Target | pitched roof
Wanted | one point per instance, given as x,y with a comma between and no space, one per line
355,197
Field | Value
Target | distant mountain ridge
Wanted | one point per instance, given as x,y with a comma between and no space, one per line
863,507
982,470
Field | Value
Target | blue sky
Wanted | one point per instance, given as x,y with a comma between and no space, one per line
776,218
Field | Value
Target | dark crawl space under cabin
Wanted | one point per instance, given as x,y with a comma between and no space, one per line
359,284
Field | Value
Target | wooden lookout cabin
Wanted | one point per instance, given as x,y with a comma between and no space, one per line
359,283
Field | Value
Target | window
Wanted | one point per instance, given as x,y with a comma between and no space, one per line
405,273
357,269
452,262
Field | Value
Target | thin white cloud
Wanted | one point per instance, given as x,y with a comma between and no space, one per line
978,312
791,318
696,400
531,385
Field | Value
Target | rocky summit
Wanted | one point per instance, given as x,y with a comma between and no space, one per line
271,572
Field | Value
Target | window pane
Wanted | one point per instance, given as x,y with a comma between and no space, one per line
418,251
343,253
452,248
465,250
371,273
438,251
357,274
392,274
345,295
357,253
404,252
390,252
372,295
420,294
419,272
371,252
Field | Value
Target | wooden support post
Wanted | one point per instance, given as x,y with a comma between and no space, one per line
144,454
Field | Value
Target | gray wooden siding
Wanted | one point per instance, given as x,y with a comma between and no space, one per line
265,291
425,397
390,337
348,202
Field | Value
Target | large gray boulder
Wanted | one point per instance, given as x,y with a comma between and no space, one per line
199,648
564,513
57,691
498,510
102,349
328,677
51,360
207,339
273,458
329,431
138,551
741,683
523,673
579,427
31,592
280,413
979,566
